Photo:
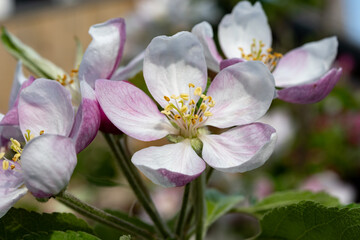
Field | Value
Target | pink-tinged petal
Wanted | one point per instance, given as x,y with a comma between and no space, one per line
311,92
171,63
171,165
229,62
46,105
306,63
11,178
9,196
48,162
19,79
239,149
134,67
243,93
203,31
131,110
238,29
1,116
106,125
104,53
11,117
7,132
87,120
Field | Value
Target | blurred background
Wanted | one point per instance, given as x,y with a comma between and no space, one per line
318,147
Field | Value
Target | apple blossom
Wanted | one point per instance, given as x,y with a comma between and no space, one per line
302,74
176,76
42,158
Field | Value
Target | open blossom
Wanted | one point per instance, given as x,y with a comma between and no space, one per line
176,75
42,158
302,74
101,61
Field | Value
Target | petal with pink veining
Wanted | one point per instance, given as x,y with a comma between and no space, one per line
238,29
311,92
87,120
306,63
11,178
203,31
171,63
9,196
46,105
171,165
242,92
104,53
239,149
48,162
131,69
131,110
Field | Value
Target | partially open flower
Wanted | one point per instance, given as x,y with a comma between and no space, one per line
176,76
302,74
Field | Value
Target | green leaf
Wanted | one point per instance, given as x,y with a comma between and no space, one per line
30,58
218,204
128,237
19,222
281,199
57,235
310,221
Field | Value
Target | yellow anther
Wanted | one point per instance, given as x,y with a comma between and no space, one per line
184,96
196,116
198,91
203,106
5,164
192,102
201,119
183,109
241,49
168,107
12,166
278,55
165,112
186,115
2,155
212,103
16,157
177,117
208,114
167,98
193,121
74,70
269,50
174,96
191,85
42,132
203,96
15,142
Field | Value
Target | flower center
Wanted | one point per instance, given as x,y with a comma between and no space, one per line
15,146
268,57
65,80
187,115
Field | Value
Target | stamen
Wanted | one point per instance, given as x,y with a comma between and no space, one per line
2,155
208,114
16,157
183,109
198,91
184,96
12,166
174,97
5,165
191,85
42,132
167,98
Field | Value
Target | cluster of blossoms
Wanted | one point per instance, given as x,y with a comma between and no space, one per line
206,121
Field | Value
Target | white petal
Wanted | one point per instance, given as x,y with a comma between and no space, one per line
48,162
134,67
203,31
131,110
9,196
306,63
46,105
239,149
238,29
11,178
170,165
19,79
104,53
243,93
171,63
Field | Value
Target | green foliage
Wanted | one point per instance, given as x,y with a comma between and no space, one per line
282,199
40,66
218,204
311,221
19,222
57,235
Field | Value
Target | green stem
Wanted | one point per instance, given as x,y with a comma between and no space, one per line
180,222
208,174
102,216
200,206
137,185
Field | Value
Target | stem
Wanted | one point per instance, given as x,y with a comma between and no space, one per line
180,223
200,206
138,186
209,173
102,216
